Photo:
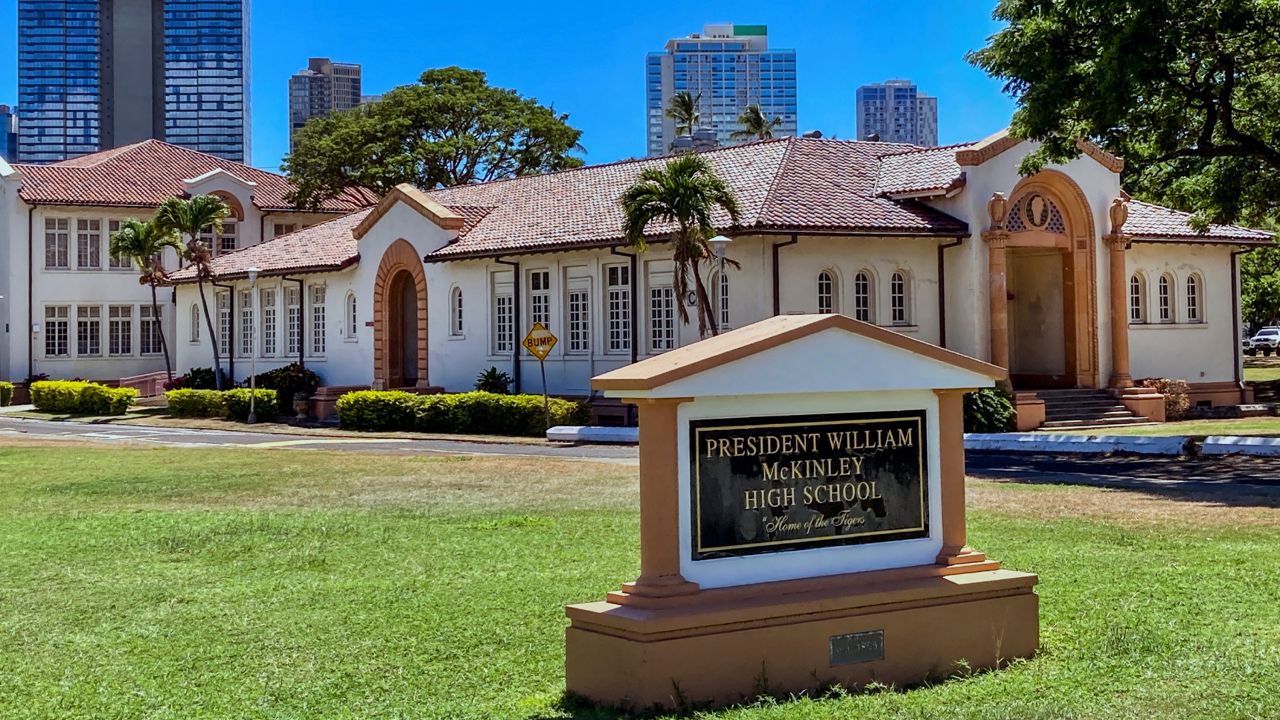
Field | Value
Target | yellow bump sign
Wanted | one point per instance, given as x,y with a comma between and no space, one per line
539,341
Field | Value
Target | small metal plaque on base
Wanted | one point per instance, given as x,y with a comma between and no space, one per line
857,647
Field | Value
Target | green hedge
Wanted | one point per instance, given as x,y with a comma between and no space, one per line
6,393
475,413
196,403
989,410
237,402
81,398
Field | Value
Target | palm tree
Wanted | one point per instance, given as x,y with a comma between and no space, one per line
190,217
144,243
685,192
684,110
755,125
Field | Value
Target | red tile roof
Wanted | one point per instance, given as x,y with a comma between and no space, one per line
1147,221
919,170
146,174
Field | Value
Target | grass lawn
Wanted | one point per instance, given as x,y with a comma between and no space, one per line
1262,374
166,583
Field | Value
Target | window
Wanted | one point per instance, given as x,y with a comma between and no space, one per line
120,330
662,319
114,262
618,302
293,321
455,312
317,320
503,324
89,244
284,229
57,243
898,299
56,329
225,241
150,340
88,330
540,297
1164,298
579,302
862,294
1193,299
223,303
352,324
267,296
1137,299
826,292
195,323
720,287
246,323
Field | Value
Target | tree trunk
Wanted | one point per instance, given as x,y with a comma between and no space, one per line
164,345
213,335
706,313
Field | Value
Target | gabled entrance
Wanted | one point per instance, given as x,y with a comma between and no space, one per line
400,320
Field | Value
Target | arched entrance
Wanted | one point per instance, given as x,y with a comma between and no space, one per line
400,320
1051,282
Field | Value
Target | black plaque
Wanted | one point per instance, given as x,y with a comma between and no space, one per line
856,648
775,484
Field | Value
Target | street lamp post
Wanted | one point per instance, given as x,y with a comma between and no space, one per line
253,350
719,244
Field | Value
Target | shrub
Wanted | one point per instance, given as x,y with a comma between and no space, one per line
81,398
989,410
479,413
195,403
1177,399
200,379
237,402
6,393
288,381
493,380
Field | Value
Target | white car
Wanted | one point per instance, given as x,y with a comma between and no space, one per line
1266,340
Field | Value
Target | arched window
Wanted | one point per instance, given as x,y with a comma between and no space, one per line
863,293
1137,298
195,323
352,324
826,292
1194,295
455,312
720,287
898,300
1164,298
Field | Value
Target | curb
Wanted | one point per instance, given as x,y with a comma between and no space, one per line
594,434
1064,443
1236,445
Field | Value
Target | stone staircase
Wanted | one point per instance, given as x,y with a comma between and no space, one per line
1084,408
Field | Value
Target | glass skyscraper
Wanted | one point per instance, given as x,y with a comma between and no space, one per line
731,67
8,134
896,111
324,87
97,74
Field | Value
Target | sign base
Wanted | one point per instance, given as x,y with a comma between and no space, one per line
730,645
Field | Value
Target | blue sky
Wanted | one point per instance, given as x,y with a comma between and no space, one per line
587,58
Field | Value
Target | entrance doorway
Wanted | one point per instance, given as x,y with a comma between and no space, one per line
400,320
402,309
1037,326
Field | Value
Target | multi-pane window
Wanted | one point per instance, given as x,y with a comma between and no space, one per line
269,315
56,331
195,323
120,330
351,316
1137,299
115,262
826,292
662,319
1193,299
618,302
579,320
898,299
88,244
540,297
246,323
1164,298
284,229
150,327
317,320
224,321
293,321
88,330
503,324
455,312
722,300
862,296
57,243
225,241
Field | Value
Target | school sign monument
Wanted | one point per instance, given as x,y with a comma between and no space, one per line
802,522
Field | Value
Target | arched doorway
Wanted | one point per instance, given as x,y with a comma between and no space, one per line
400,320
1052,313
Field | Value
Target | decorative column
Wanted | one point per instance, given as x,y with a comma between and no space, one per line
955,534
998,288
1117,242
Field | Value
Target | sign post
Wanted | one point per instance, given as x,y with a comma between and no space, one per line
539,342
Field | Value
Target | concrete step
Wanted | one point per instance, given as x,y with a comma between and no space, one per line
1082,423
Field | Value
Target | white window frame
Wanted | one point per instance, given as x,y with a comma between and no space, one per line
539,299
1137,299
577,304
88,244
270,322
721,299
900,299
120,330
57,331
222,306
57,243
662,318
113,263
864,296
1165,311
1194,301
617,303
828,292
196,319
504,319
245,298
351,318
148,325
318,344
88,331
293,320
455,312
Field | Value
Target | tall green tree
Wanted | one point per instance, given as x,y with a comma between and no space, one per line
452,128
754,124
1187,91
143,244
189,218
683,108
685,192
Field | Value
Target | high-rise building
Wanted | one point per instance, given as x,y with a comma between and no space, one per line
8,134
896,111
728,68
97,74
325,86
